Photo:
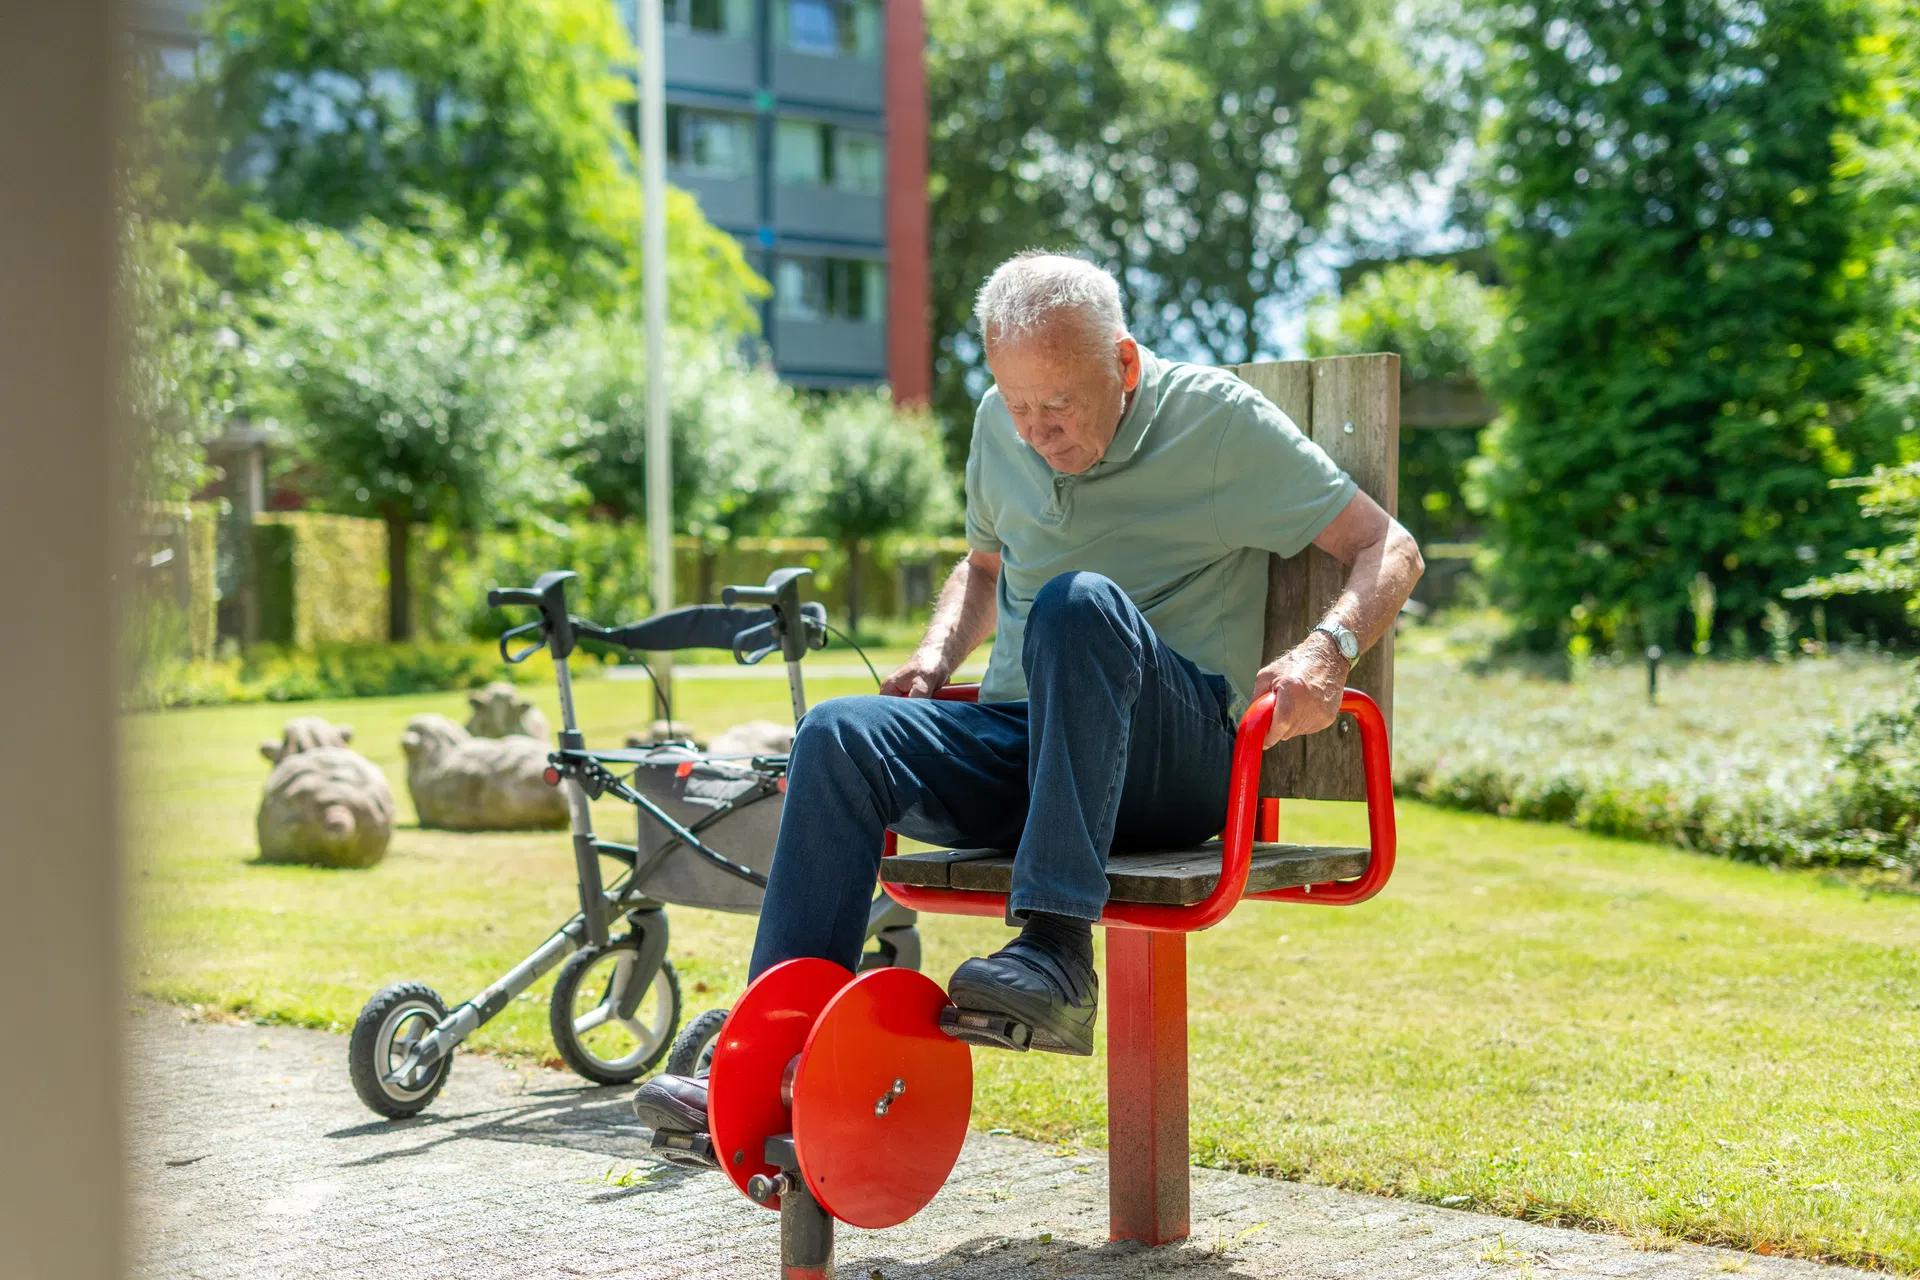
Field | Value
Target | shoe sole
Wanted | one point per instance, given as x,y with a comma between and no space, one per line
1048,1035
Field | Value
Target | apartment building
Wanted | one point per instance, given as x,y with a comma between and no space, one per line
801,127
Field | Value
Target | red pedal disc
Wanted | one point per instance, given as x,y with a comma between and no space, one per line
767,1028
870,1164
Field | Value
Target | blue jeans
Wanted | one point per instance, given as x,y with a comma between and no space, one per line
1122,743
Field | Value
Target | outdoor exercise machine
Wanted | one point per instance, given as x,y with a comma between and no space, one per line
842,1097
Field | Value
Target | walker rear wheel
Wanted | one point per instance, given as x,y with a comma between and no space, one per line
611,1022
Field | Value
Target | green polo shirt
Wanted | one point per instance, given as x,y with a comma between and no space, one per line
1205,477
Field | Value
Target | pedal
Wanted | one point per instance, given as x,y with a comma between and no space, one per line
684,1148
986,1028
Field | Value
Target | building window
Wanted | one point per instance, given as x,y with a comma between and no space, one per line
848,28
856,161
713,17
709,144
807,153
830,289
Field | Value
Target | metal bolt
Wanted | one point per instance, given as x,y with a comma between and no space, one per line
899,1087
880,1107
1347,427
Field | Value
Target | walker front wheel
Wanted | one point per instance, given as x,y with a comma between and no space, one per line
693,1047
610,1022
380,1053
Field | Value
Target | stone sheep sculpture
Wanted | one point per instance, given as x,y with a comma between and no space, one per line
666,731
463,783
304,733
754,738
324,804
500,711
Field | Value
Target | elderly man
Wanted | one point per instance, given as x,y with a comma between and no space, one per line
1120,511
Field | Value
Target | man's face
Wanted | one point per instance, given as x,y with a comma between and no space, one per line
1065,404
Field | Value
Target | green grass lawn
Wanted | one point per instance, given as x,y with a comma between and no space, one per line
1530,1021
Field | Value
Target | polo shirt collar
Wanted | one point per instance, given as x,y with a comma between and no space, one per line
1139,415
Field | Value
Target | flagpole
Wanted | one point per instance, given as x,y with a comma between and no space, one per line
653,178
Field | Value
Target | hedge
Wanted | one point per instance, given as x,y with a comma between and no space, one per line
322,578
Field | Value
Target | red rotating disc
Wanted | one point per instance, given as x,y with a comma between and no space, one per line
881,1099
767,1028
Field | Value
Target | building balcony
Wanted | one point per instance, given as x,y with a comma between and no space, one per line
808,210
730,202
855,83
829,352
698,59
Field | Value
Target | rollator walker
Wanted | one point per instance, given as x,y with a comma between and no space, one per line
616,1002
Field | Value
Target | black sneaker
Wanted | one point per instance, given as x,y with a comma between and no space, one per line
1057,996
675,1108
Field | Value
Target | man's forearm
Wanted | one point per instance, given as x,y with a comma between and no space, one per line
963,616
1381,578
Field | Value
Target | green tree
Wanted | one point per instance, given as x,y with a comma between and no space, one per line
1199,151
513,113
411,375
1680,263
732,426
879,471
1441,322
178,386
1891,495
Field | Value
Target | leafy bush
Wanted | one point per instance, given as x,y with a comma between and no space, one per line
273,674
1755,761
411,375
731,427
181,359
1892,495
880,472
1441,322
1682,266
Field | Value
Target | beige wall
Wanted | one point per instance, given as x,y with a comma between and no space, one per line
60,1164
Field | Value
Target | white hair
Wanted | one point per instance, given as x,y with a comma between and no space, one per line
1034,292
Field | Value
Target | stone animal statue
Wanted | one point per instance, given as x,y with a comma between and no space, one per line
324,804
500,711
463,783
754,738
664,731
304,733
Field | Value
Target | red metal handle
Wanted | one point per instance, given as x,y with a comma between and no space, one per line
1376,765
1236,840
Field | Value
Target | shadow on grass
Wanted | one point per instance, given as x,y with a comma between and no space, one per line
581,1118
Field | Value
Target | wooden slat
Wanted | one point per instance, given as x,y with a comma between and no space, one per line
1178,877
1349,406
929,870
1289,384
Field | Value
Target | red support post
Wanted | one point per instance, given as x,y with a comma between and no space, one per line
1269,825
1146,1010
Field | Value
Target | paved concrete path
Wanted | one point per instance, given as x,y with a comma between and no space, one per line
251,1157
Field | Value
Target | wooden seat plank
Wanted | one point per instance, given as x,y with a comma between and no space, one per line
1173,876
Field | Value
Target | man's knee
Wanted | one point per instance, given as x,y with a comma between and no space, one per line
1070,601
1080,613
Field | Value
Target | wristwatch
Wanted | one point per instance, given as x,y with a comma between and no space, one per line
1348,643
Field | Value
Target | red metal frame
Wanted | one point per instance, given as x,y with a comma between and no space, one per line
1247,811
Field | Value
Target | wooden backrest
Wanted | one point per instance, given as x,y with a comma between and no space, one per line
1349,406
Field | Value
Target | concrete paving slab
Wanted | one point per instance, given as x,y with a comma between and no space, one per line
252,1157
